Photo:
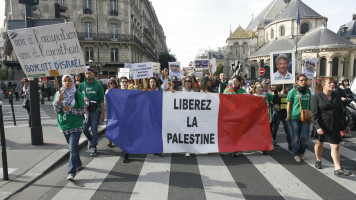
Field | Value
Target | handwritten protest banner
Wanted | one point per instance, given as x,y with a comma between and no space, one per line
175,69
309,67
124,72
142,70
47,48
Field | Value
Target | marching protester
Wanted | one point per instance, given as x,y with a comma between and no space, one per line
26,100
298,99
69,105
112,85
280,114
258,91
235,88
137,85
173,85
153,85
221,83
206,84
328,121
94,96
78,79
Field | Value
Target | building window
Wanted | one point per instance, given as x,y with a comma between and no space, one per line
89,54
322,67
335,67
283,31
272,33
304,28
61,2
88,9
113,8
114,31
88,30
114,54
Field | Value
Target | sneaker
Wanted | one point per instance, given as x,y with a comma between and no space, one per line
70,177
318,164
302,156
264,152
342,172
297,158
109,144
235,154
187,154
93,151
274,142
126,158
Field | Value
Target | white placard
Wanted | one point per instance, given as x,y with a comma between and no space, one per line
156,68
175,69
127,65
198,74
213,65
284,71
142,70
124,72
309,68
201,64
45,48
192,127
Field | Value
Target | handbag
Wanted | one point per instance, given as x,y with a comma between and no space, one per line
305,115
92,104
26,105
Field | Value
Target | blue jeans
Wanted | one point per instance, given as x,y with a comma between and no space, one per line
74,159
277,118
93,122
300,136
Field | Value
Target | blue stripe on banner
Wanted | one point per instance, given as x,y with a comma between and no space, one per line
134,120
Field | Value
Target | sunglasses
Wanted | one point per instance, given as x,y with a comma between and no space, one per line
124,81
113,83
187,81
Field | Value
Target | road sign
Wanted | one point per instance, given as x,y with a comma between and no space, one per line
262,71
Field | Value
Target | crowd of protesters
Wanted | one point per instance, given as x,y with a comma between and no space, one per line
284,104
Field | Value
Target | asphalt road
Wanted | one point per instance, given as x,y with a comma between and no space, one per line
251,175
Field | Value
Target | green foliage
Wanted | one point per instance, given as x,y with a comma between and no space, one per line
219,70
166,57
3,73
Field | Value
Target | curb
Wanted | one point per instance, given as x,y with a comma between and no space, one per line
22,181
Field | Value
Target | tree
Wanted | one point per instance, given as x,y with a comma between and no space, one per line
219,70
164,58
3,73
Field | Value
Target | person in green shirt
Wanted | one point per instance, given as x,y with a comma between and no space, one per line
300,130
69,105
94,95
235,88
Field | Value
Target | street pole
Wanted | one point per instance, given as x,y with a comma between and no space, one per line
36,127
3,146
11,101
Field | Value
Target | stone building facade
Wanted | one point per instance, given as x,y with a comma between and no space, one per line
111,32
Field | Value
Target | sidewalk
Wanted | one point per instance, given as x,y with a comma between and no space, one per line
26,162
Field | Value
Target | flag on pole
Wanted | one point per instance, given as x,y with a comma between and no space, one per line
298,15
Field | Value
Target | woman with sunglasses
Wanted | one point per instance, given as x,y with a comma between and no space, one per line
300,130
112,85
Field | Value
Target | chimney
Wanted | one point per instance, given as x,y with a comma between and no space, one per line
353,17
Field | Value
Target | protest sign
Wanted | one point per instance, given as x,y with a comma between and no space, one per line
142,70
127,65
201,64
309,67
213,65
282,67
198,74
47,48
201,123
175,69
156,68
124,72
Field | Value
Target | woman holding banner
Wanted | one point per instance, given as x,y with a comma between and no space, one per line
69,105
298,99
112,85
328,121
153,85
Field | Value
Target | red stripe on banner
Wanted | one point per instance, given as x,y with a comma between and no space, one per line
243,124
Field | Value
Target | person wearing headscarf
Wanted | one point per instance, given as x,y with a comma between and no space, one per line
69,105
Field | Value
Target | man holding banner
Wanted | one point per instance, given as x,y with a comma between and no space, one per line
94,96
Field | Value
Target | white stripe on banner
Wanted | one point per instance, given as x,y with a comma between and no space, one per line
90,179
217,180
153,182
286,183
190,124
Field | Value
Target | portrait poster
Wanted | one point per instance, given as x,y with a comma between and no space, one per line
201,64
282,66
309,67
175,69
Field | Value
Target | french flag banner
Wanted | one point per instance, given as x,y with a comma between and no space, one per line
165,122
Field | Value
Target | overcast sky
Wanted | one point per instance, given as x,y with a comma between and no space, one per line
190,25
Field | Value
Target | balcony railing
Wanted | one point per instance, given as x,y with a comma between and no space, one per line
117,38
113,12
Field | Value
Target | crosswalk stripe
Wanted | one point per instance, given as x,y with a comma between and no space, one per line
344,152
153,181
90,179
286,183
353,140
217,180
327,170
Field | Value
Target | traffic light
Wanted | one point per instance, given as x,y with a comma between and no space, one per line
31,2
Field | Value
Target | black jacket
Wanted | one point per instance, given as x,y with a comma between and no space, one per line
326,114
